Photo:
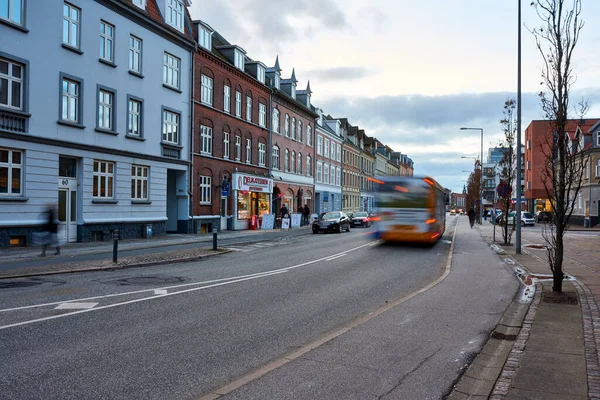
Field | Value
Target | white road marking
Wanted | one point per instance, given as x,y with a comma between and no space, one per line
338,256
160,291
237,249
75,306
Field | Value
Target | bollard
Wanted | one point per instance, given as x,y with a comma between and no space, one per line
115,244
214,238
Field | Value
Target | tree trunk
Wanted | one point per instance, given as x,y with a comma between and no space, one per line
558,276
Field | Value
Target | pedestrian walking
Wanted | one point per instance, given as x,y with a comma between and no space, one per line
50,230
471,215
301,212
306,214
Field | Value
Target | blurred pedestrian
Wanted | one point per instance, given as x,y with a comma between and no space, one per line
306,214
50,230
471,215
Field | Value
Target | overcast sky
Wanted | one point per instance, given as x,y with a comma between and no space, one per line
410,73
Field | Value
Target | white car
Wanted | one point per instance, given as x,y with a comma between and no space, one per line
526,218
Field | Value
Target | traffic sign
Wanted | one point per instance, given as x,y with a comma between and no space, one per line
225,189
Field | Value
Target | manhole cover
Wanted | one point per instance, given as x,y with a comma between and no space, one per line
150,280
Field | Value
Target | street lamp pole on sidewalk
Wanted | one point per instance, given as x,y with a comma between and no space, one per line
519,194
481,174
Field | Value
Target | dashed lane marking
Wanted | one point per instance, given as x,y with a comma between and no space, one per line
75,306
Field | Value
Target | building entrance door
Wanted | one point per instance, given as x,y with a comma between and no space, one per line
67,210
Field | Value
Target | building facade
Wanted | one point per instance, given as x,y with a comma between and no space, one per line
95,118
328,168
367,172
351,169
231,181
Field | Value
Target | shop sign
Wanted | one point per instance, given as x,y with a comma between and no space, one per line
251,183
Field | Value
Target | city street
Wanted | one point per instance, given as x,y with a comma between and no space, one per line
184,330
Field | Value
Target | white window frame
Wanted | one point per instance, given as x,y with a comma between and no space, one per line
339,152
319,176
598,168
248,151
308,166
332,175
135,54
170,128
309,135
239,59
10,165
106,102
320,145
134,117
10,17
299,132
275,158
275,120
262,154
226,145
206,91
107,41
338,176
140,3
12,80
205,189
206,137
227,99
139,175
72,24
238,104
326,148
262,114
293,128
248,108
286,128
174,13
260,74
171,68
299,161
238,147
287,160
326,173
293,162
71,98
205,39
103,175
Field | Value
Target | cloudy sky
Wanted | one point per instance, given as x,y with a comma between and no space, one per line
410,73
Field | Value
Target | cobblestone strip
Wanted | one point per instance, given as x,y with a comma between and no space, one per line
504,382
591,336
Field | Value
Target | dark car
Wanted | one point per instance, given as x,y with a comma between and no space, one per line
360,218
544,216
335,221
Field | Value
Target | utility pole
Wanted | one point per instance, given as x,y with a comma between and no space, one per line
519,195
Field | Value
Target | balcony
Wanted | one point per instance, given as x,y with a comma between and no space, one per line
13,121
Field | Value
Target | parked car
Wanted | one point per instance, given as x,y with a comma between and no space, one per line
335,221
453,212
360,218
544,216
526,218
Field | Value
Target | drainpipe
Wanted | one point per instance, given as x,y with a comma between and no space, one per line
192,130
270,141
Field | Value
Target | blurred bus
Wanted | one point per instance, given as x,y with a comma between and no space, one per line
409,209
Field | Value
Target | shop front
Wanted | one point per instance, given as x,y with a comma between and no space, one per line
251,198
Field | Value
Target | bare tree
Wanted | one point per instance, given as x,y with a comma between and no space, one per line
562,174
474,187
508,164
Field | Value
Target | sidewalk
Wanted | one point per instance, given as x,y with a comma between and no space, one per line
553,352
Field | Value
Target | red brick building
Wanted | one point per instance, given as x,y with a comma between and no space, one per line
537,136
292,149
230,136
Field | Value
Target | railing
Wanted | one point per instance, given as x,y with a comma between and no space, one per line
171,152
12,122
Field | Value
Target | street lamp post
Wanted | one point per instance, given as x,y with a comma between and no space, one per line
481,176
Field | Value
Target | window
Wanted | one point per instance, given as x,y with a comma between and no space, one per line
106,115
11,84
597,168
238,147
320,145
238,59
293,128
205,189
260,74
299,131
171,65
332,175
248,108
598,138
238,104
339,152
293,162
275,120
326,148
248,151
275,161
135,54
206,90
175,14
226,98
139,182
262,154
134,117
287,160
309,135
170,129
308,166
12,10
71,101
11,172
319,171
277,80
71,17
338,176
103,177
262,114
205,39
140,3
287,125
326,173
107,39
225,144
206,139
299,169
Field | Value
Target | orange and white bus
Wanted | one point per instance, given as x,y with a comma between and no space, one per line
409,209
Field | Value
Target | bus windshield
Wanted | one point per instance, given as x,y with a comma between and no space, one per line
410,193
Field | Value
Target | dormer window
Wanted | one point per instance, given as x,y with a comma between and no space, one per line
294,91
205,38
277,81
239,59
260,74
140,3
174,14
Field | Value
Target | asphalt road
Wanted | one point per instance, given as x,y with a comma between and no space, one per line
181,331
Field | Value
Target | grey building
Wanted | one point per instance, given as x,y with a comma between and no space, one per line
328,156
95,117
